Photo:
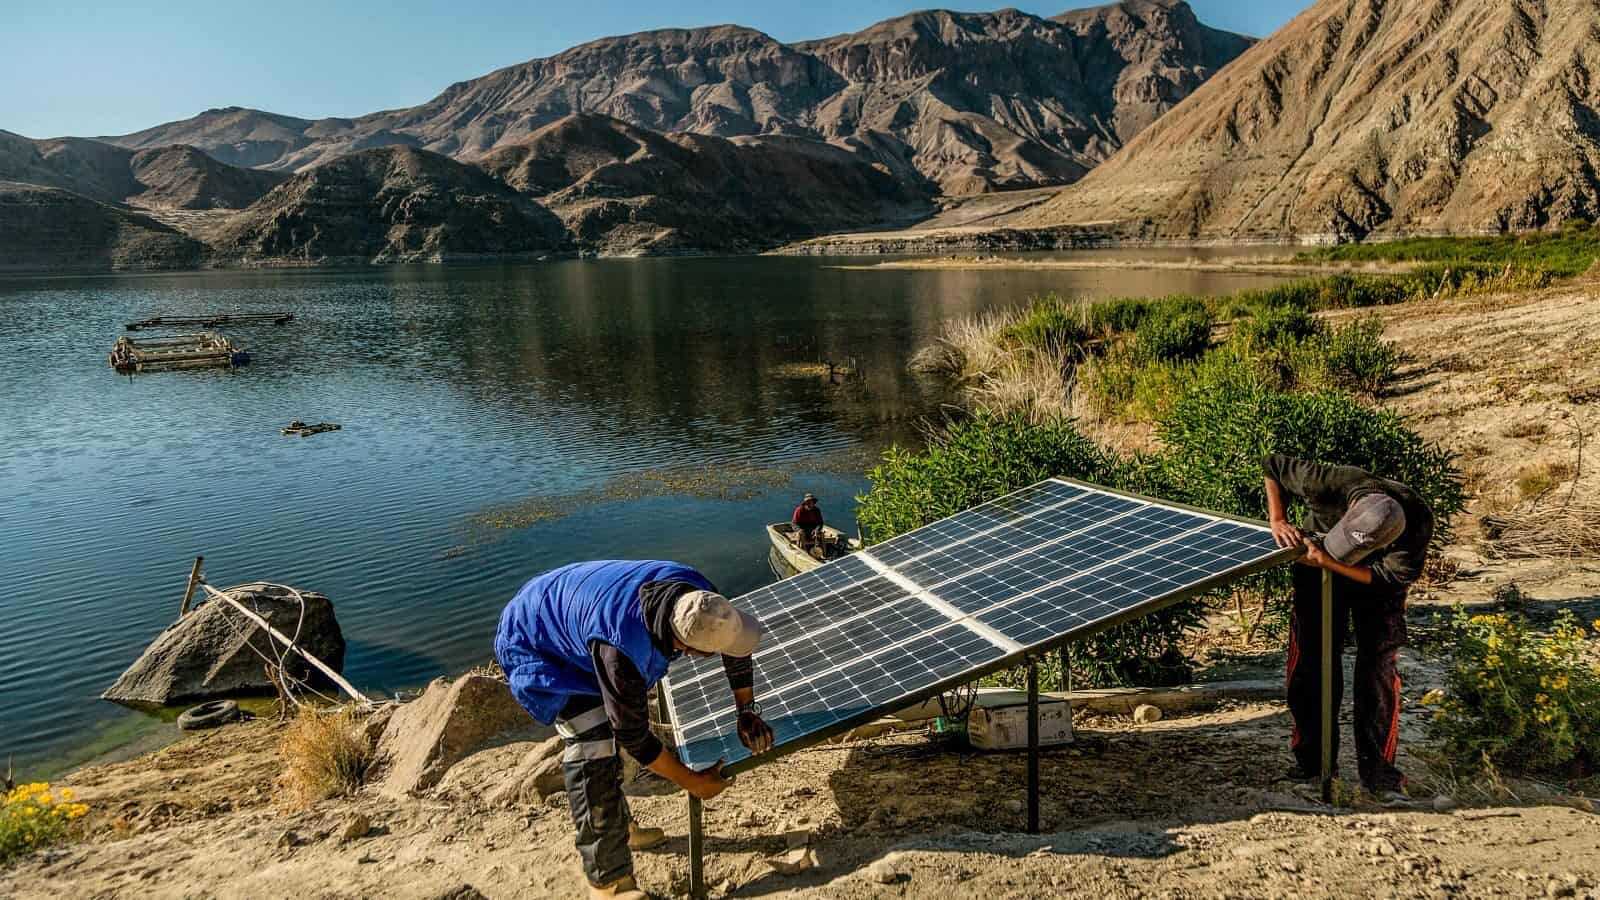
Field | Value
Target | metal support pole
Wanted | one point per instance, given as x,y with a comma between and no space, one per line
194,579
697,848
1329,720
1033,745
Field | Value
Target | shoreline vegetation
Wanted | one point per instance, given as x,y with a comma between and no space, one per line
1182,396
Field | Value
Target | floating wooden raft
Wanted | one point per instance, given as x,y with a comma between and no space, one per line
206,349
213,321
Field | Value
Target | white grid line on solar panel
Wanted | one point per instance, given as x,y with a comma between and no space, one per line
1018,536
824,613
932,600
1091,517
987,518
1141,577
867,684
775,603
812,658
977,587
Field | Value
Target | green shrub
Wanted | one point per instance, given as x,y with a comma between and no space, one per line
968,462
1229,418
1275,326
1050,323
1522,702
32,816
1173,332
1357,358
1568,252
978,459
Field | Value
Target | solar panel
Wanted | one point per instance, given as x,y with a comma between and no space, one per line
949,602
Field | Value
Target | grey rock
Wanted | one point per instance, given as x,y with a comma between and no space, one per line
355,828
440,728
884,871
216,652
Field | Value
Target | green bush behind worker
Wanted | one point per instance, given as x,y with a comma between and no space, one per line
1372,534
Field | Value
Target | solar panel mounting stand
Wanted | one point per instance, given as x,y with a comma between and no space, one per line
1329,720
697,841
1033,745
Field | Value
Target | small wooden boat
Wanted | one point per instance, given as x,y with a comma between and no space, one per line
786,546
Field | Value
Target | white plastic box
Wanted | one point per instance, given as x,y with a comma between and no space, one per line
999,721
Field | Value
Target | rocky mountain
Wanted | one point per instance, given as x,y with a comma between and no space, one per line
163,177
1371,115
186,178
44,228
393,204
625,189
963,102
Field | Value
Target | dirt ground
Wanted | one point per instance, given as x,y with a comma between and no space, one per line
1184,807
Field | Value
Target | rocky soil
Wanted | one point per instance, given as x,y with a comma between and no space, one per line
1363,116
1181,807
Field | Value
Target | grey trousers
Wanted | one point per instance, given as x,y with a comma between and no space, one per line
593,773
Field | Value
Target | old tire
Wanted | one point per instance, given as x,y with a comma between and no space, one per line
208,715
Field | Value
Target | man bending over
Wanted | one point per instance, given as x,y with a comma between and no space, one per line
582,646
1372,534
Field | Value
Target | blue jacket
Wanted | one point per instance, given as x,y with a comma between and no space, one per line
545,631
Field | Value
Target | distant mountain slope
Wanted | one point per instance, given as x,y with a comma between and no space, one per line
186,178
1366,115
965,101
165,177
46,228
625,189
393,204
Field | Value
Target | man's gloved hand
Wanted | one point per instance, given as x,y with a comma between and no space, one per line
753,732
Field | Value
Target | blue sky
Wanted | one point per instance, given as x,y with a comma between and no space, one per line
71,68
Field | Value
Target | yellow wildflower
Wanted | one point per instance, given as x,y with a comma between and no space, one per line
1432,697
68,795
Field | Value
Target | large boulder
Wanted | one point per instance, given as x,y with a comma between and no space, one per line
215,651
451,720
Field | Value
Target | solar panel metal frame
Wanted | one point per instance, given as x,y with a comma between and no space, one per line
1018,657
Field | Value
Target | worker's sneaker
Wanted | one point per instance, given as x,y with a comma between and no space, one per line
624,888
642,838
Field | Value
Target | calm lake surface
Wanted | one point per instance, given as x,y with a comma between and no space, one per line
498,421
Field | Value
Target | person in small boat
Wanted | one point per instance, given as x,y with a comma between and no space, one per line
807,521
581,647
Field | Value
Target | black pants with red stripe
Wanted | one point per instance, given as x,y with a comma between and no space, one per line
1380,632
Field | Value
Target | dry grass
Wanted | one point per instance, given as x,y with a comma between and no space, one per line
324,757
969,348
1562,532
1537,480
1034,383
999,374
1527,428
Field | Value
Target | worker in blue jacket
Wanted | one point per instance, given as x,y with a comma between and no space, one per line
582,645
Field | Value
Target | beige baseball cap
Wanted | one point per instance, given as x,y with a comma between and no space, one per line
709,623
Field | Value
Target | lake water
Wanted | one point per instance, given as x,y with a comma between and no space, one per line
497,421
